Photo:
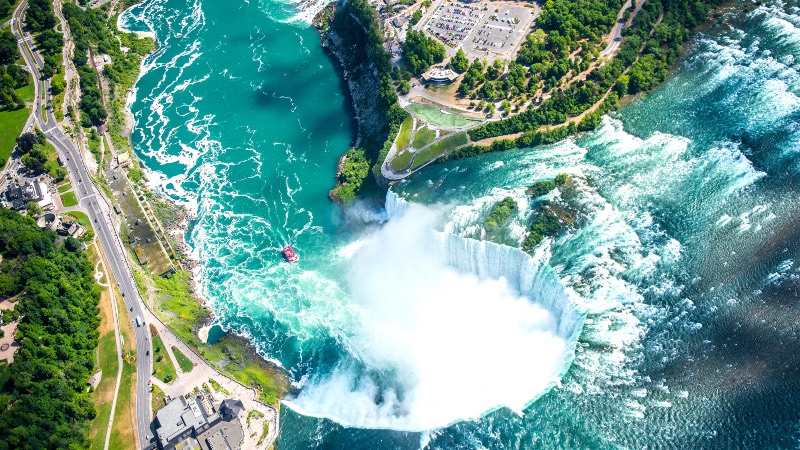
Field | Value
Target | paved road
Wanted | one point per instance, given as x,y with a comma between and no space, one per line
616,32
99,212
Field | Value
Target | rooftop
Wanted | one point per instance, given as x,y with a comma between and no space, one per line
183,418
439,75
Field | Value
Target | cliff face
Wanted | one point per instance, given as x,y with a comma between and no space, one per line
352,44
364,86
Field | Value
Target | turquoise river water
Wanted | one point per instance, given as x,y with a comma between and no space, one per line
664,317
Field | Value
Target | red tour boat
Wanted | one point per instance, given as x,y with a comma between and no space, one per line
290,255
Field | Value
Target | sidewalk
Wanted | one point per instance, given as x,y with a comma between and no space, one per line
201,373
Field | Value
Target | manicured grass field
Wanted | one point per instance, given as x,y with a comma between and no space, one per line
11,124
27,92
436,117
404,135
162,365
82,219
183,360
64,188
437,149
69,199
423,137
401,161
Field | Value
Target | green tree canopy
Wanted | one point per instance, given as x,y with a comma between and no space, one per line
459,63
44,404
421,51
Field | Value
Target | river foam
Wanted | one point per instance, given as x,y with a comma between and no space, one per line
449,328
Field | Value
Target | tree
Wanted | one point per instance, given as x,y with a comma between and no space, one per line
459,63
500,213
57,86
8,46
404,87
621,87
72,244
5,8
40,16
26,141
44,404
33,209
420,52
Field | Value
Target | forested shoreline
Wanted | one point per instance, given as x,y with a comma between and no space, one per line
45,402
352,34
650,47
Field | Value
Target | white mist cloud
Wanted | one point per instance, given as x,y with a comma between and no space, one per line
440,345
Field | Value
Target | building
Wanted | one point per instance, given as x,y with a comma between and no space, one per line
400,22
49,222
194,419
17,197
124,159
439,76
230,409
181,419
72,229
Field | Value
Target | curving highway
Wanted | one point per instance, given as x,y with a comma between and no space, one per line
99,212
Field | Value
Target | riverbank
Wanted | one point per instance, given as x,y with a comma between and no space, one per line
176,298
351,36
640,58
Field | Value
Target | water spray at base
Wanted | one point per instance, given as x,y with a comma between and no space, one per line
450,328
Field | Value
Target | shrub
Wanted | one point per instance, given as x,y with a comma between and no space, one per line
499,214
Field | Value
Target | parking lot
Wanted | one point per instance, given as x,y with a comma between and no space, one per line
482,30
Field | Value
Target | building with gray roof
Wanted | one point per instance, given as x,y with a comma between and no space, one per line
196,420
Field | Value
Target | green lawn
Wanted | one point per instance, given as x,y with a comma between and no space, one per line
64,188
404,135
183,314
122,433
401,161
423,137
183,360
58,100
27,92
82,219
69,199
437,149
107,361
11,124
217,387
436,117
52,166
162,365
158,398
